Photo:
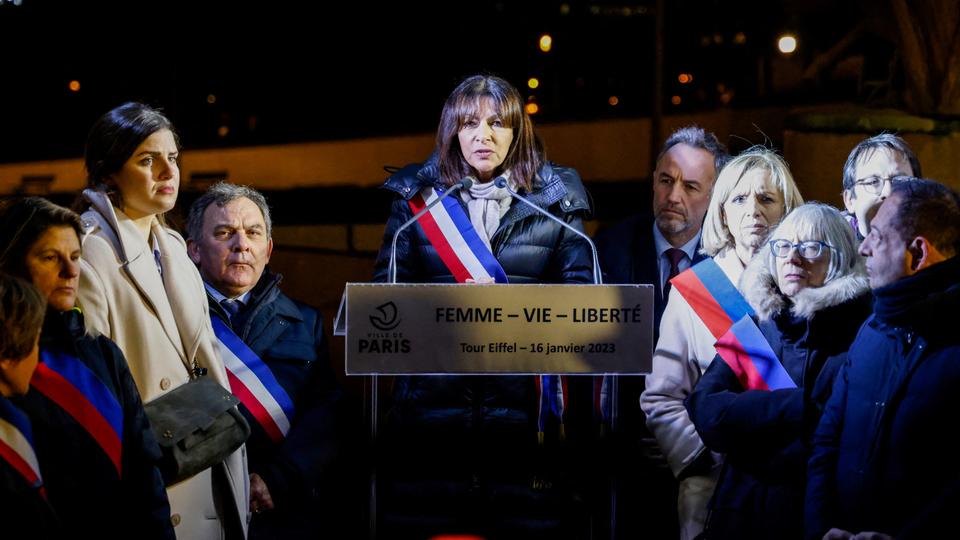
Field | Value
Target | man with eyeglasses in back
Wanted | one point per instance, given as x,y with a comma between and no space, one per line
867,174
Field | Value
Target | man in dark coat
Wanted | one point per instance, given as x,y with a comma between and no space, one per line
640,248
647,248
895,397
291,406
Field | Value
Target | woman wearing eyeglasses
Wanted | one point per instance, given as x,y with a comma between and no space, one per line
752,193
809,289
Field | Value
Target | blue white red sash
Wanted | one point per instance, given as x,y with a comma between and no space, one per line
253,383
66,381
712,296
749,355
16,444
551,400
728,316
448,228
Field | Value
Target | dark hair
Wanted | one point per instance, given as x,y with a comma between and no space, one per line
927,208
887,141
22,222
526,154
114,137
697,137
221,194
22,309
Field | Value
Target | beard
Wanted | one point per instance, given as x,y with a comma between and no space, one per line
671,223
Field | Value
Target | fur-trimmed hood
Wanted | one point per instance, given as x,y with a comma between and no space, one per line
760,289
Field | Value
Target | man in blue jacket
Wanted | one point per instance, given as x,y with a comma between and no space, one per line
876,469
277,361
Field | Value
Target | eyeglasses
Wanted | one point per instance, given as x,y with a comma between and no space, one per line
873,184
810,249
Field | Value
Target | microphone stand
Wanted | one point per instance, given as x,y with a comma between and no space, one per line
374,390
613,379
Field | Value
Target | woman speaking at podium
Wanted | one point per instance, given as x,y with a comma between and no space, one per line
462,453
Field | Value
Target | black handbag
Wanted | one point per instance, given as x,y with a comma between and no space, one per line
197,425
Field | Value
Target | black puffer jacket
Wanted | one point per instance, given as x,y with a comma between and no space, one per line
477,432
765,434
530,247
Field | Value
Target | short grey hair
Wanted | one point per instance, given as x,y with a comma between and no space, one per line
221,194
716,237
867,147
696,137
818,221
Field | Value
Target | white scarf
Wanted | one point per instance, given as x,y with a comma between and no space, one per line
486,204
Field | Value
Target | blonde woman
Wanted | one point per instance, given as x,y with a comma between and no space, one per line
752,193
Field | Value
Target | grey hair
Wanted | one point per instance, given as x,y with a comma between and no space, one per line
818,221
716,237
696,137
221,194
867,147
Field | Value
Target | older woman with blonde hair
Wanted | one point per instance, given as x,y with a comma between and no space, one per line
808,287
752,193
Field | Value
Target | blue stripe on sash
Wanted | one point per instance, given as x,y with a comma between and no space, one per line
254,364
470,236
722,289
87,383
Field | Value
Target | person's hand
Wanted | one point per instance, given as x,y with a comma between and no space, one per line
260,498
481,281
870,535
838,534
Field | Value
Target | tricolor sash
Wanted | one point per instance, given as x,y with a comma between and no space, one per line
450,232
551,400
602,406
750,357
16,444
253,383
728,317
66,381
712,296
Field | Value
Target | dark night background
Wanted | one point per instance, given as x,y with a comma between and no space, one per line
283,72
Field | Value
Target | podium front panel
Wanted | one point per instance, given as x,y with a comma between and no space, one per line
394,329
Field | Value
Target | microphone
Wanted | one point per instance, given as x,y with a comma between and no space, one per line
597,277
466,183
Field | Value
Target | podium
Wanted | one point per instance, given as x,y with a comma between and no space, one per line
453,329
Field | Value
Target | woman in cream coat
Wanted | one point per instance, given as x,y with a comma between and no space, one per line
139,288
753,191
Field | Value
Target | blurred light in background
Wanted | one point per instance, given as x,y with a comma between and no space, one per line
787,43
546,43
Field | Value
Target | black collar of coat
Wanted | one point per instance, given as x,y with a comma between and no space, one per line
923,300
552,185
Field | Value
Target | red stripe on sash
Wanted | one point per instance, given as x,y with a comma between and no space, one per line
702,302
13,458
255,407
732,352
52,385
439,241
